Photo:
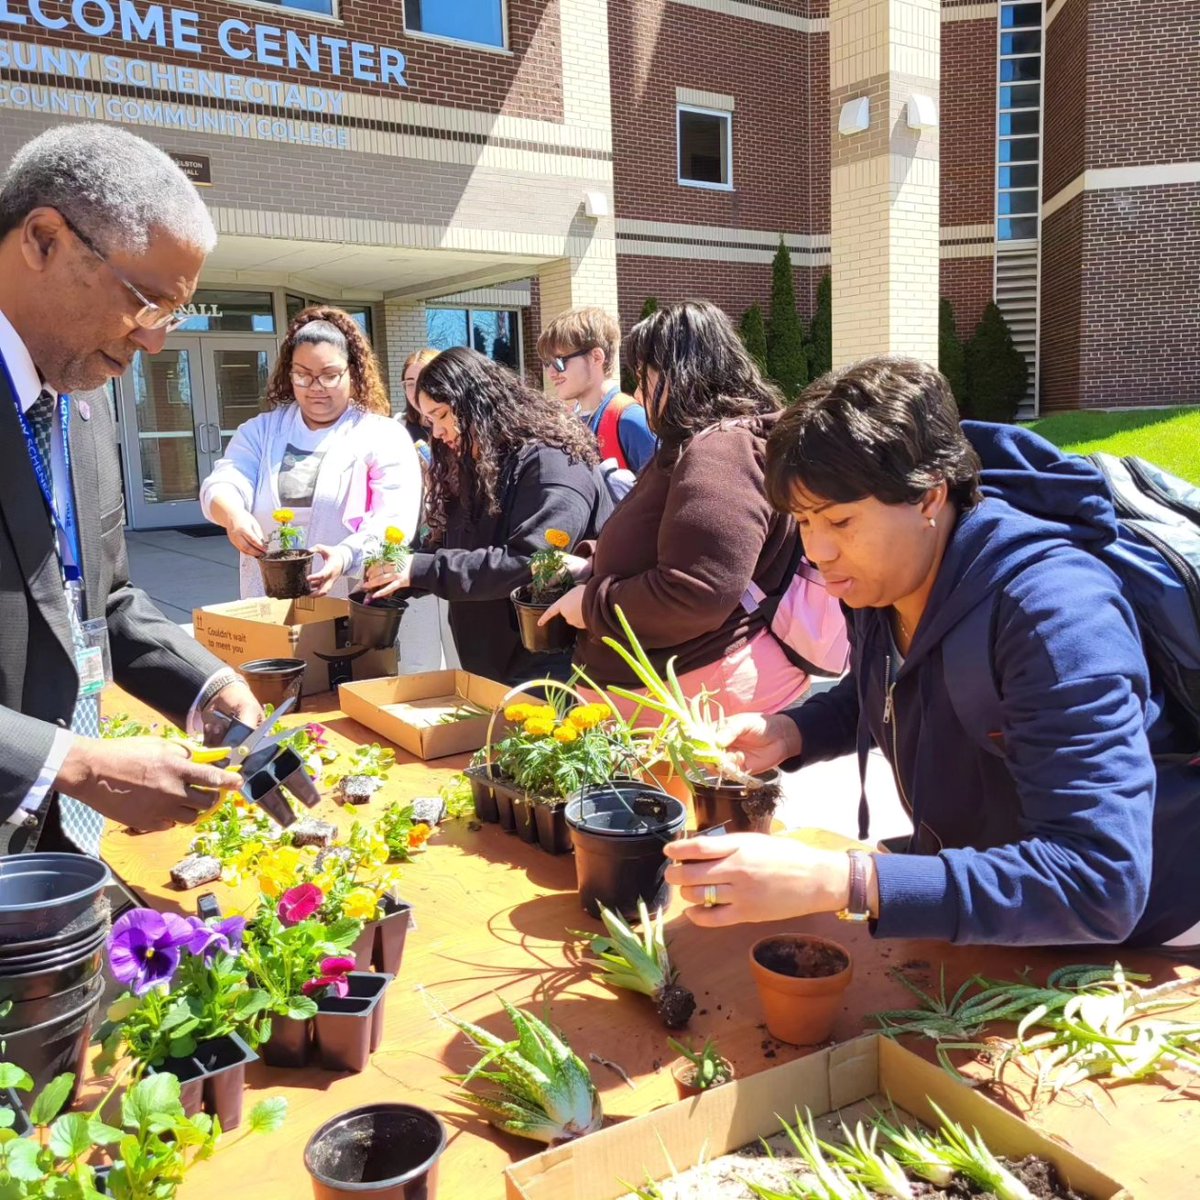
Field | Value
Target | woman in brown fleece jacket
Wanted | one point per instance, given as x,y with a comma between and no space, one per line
681,551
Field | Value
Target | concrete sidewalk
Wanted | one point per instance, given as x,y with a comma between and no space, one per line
182,573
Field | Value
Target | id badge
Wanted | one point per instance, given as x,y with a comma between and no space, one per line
93,660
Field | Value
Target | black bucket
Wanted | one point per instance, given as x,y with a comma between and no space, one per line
375,625
40,894
619,830
274,680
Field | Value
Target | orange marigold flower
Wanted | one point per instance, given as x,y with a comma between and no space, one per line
566,734
418,835
558,538
539,726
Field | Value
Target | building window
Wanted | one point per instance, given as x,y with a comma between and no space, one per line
327,8
1019,122
494,332
705,148
477,21
214,310
295,305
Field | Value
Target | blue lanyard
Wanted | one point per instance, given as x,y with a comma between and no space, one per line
65,523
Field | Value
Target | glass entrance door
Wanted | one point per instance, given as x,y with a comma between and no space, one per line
179,410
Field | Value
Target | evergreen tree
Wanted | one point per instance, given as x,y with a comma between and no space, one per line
820,333
787,360
754,335
951,360
996,371
649,308
629,381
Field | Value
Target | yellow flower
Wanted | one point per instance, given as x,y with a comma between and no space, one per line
544,710
588,716
539,726
394,536
566,734
280,870
360,904
283,516
518,712
558,538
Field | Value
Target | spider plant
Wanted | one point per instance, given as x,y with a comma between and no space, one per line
951,1151
688,734
640,962
539,1088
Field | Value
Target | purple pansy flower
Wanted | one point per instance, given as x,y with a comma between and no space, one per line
144,946
210,940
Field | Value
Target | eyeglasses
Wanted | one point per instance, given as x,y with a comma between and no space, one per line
327,379
149,315
559,361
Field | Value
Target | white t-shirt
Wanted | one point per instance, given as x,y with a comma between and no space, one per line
302,458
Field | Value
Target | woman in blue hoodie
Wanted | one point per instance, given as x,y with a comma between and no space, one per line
996,665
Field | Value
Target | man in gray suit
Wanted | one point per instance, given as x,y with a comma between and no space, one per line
101,239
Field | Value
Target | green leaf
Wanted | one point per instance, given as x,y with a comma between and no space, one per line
71,1136
151,1095
21,1160
11,1076
268,1115
102,1134
301,1008
7,1118
54,1095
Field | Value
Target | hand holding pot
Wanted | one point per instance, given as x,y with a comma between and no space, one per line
752,877
333,566
233,700
757,741
569,607
384,579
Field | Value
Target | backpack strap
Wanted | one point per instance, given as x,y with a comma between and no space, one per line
608,432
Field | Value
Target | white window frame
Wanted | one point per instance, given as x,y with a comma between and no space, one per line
727,117
467,42
283,6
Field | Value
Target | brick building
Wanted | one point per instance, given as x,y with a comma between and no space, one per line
454,170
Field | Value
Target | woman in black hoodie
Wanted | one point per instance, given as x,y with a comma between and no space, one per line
509,463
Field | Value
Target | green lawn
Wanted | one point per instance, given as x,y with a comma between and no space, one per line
1169,437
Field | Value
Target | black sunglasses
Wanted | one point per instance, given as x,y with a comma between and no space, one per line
559,361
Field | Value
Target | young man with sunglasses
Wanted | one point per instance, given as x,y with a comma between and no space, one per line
101,242
579,354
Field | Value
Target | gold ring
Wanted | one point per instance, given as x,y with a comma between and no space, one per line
710,895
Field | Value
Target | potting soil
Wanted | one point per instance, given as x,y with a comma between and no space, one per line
806,960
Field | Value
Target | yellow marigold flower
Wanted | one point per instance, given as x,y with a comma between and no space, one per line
360,904
283,516
539,726
557,538
518,712
394,536
583,717
566,734
545,710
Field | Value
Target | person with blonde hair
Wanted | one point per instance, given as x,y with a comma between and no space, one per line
410,415
326,449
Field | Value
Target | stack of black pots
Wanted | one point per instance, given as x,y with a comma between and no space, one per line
54,923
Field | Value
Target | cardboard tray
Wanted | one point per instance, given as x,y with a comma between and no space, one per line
407,709
739,1113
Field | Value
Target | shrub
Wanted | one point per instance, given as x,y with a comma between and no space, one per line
787,359
754,335
996,371
820,333
951,354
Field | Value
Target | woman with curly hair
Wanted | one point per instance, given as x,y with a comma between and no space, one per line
509,464
326,448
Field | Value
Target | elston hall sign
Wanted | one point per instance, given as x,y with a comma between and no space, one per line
180,29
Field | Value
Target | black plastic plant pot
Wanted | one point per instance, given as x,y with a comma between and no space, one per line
213,1079
274,680
81,931
375,624
24,1014
42,894
345,1028
290,1043
263,789
483,793
740,809
504,810
381,943
550,638
15,966
285,574
365,985
288,769
553,832
523,821
380,1152
191,1082
49,981
619,830
59,1045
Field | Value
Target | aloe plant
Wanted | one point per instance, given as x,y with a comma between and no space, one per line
710,1068
825,1180
539,1088
641,962
863,1162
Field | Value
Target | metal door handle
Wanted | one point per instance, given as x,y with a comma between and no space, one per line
215,446
201,438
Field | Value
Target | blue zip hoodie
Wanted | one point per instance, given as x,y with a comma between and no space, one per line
1073,832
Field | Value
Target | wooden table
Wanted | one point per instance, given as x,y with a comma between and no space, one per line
493,918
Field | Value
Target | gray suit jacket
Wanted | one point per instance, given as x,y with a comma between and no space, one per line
153,658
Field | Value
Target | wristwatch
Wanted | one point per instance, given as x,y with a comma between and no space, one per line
857,907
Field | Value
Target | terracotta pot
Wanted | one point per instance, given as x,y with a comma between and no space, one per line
540,639
285,573
683,1070
740,809
800,1009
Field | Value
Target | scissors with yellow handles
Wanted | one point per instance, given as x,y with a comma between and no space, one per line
241,742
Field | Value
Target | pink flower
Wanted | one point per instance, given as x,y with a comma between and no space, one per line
317,733
300,903
332,977
337,966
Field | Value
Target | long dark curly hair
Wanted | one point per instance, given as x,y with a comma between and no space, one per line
366,390
498,416
701,361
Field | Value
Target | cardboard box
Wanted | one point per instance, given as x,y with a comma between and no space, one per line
409,710
739,1113
242,630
